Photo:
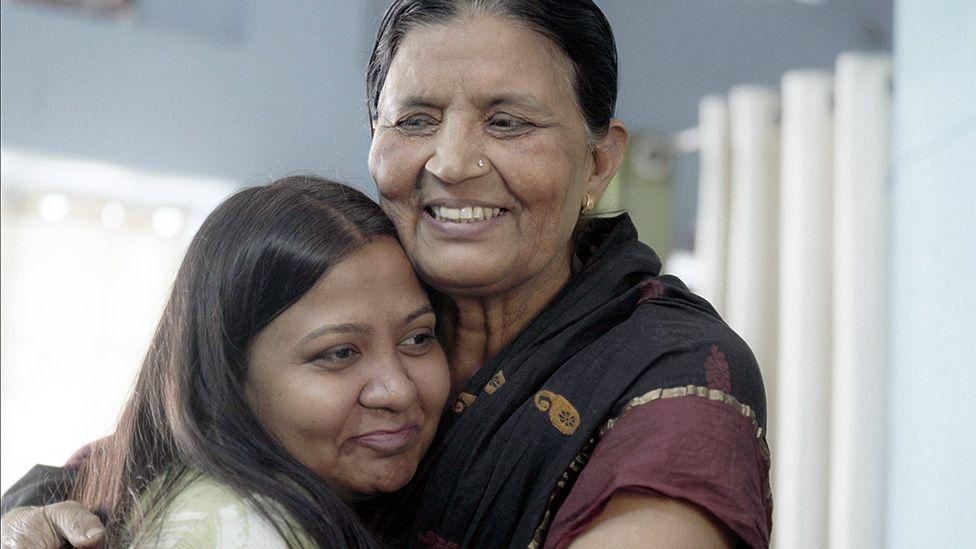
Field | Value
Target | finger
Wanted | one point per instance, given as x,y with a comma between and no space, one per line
75,523
28,528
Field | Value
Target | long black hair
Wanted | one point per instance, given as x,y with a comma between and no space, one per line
254,256
577,27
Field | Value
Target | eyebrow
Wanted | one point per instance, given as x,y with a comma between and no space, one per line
416,101
517,101
349,328
520,100
426,309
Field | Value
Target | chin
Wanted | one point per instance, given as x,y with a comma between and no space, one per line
392,483
462,278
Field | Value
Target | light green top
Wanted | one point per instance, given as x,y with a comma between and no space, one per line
209,514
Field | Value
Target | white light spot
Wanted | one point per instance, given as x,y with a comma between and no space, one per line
167,221
54,207
113,214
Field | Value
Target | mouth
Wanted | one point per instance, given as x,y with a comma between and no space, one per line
464,214
390,441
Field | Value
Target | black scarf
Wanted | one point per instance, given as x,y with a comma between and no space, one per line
507,454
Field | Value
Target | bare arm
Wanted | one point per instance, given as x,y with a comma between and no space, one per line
631,519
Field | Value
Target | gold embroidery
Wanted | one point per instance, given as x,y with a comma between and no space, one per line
559,494
580,460
699,391
463,401
495,382
562,414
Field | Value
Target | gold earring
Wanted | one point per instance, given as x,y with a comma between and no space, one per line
588,205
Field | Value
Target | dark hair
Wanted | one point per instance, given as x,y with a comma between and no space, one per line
253,257
577,27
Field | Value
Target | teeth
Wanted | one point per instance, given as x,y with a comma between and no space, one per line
466,214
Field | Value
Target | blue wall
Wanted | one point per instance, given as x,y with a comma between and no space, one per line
932,412
240,90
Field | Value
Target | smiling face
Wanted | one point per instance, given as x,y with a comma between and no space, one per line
351,379
481,155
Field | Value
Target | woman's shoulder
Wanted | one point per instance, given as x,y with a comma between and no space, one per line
691,345
691,426
208,513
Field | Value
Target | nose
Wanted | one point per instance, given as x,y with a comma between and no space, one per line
388,387
457,154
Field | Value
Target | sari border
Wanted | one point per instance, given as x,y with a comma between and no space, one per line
693,390
579,462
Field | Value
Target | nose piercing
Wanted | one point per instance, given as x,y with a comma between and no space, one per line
481,163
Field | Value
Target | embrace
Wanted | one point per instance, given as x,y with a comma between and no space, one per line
477,361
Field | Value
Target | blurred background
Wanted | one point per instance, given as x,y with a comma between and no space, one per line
843,128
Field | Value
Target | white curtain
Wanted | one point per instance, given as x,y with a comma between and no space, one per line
751,279
790,244
802,398
711,245
861,153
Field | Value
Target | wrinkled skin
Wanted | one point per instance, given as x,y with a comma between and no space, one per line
50,526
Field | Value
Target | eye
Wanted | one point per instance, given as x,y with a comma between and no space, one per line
337,357
508,124
418,343
416,123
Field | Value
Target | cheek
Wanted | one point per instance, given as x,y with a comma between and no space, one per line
391,163
303,411
545,180
434,381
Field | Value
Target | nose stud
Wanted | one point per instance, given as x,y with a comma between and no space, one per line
481,163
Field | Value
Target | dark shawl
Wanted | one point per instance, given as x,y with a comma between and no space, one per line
42,485
507,454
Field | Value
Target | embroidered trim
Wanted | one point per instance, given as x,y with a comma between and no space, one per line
463,401
693,390
568,475
574,468
495,382
562,414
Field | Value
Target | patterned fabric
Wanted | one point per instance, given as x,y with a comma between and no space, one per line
209,514
706,465
592,383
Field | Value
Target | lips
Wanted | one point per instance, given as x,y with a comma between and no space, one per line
389,441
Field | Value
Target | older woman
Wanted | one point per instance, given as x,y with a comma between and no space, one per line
597,401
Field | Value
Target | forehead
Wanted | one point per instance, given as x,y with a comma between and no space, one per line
480,56
375,285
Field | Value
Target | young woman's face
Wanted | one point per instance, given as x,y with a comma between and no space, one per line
351,378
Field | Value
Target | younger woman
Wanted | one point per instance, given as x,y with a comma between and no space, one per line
294,374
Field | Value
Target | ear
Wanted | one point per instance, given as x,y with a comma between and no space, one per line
608,155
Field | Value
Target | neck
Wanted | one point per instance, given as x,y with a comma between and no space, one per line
475,328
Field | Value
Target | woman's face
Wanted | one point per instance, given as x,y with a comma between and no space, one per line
351,378
481,88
